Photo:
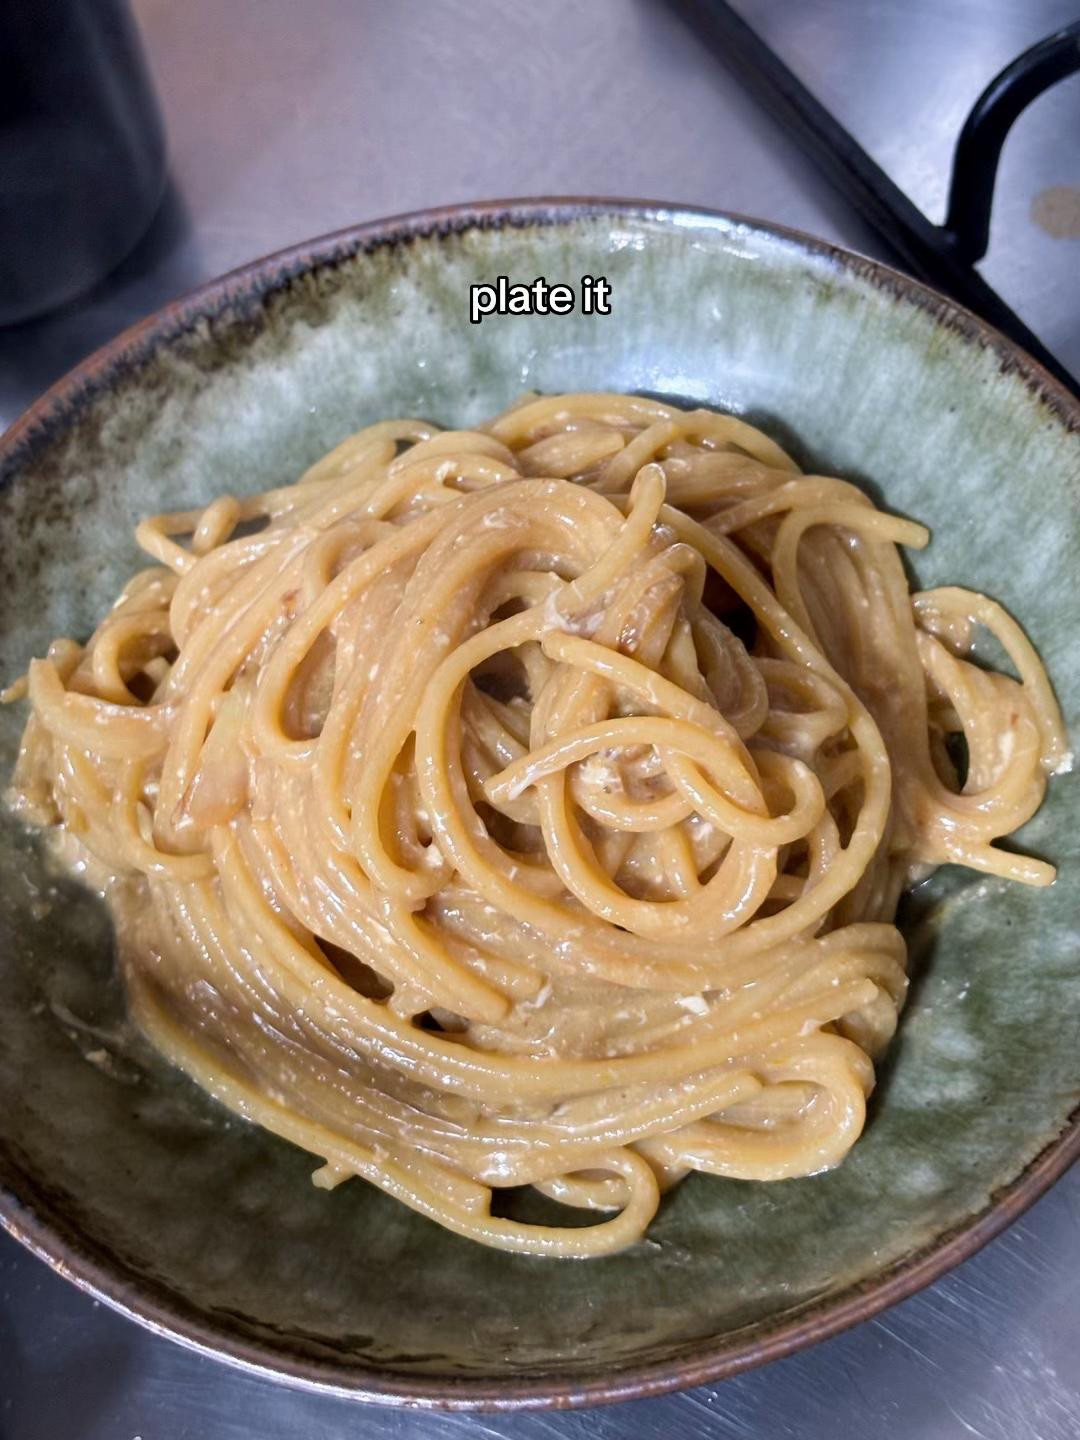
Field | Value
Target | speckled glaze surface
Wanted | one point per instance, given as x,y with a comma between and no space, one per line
129,1180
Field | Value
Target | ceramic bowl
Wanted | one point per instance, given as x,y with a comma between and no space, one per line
127,1179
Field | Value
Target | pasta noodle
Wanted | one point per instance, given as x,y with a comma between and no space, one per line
529,805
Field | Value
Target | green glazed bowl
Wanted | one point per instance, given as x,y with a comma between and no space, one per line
127,1179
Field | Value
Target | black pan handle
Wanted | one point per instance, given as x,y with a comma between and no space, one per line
924,248
978,150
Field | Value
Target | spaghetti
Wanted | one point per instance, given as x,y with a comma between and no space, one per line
529,805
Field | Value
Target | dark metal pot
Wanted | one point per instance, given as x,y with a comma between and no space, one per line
82,149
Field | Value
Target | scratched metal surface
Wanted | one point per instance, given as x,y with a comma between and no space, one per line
286,121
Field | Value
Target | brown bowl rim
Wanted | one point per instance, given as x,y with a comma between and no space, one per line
95,1272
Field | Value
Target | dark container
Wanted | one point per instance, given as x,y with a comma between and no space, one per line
82,149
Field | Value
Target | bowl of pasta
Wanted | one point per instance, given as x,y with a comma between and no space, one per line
540,844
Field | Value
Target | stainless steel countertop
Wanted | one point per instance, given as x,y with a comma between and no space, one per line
287,120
